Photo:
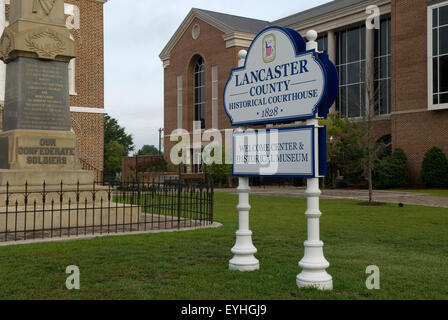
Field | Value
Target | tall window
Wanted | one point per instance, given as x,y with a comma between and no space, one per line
438,51
350,62
199,92
322,43
382,69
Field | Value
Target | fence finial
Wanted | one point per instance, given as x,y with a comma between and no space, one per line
311,36
242,54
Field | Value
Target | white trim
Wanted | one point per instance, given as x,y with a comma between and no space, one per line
215,97
185,25
166,63
69,9
408,112
431,105
341,18
238,39
72,77
87,110
179,101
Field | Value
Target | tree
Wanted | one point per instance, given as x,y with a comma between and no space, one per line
219,172
373,150
114,132
117,144
344,153
113,154
148,150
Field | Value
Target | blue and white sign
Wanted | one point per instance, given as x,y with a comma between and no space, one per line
280,81
285,152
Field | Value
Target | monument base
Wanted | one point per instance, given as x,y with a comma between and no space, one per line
38,150
74,184
18,178
63,217
33,157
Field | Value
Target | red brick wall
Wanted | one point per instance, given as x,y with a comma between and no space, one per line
416,133
89,127
90,55
89,130
129,165
212,47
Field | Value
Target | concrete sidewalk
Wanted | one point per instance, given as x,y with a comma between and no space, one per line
363,195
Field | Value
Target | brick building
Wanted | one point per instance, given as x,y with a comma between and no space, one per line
409,53
86,77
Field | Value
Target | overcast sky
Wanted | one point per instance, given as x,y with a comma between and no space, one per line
135,34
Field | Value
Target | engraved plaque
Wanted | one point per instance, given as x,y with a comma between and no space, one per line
36,95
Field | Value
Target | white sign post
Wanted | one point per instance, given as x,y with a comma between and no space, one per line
314,264
281,79
244,250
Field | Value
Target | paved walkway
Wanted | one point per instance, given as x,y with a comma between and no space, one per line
363,195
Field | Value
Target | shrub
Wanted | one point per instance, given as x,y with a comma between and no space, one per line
435,169
220,173
393,171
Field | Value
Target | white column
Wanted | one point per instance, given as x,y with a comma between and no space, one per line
314,264
2,65
215,99
179,102
244,250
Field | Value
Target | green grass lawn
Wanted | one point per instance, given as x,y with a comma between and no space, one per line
409,245
427,192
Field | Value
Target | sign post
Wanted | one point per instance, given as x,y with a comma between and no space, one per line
283,79
244,250
314,264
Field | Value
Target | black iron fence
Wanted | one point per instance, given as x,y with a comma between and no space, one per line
64,211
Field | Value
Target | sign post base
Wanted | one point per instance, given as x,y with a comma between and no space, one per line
314,264
244,250
315,281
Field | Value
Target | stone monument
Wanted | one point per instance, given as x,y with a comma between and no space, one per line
37,143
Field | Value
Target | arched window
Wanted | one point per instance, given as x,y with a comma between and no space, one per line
199,91
384,146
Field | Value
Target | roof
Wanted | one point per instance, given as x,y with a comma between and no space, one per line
254,26
229,24
236,23
316,12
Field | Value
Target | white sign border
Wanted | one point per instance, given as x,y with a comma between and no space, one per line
292,175
285,119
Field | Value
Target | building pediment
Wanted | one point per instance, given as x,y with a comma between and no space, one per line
236,30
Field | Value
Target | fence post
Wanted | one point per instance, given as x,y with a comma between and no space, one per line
244,250
212,194
179,202
314,264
